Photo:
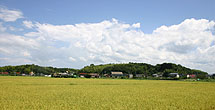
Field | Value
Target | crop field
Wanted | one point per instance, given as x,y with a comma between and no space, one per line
43,93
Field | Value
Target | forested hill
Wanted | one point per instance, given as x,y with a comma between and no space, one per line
141,68
128,68
26,69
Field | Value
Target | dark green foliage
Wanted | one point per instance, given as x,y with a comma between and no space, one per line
127,68
143,68
38,70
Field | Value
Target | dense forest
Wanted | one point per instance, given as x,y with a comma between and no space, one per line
127,68
37,70
142,68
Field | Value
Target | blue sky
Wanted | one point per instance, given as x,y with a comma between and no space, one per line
150,13
76,33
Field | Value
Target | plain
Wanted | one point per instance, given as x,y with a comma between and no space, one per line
18,92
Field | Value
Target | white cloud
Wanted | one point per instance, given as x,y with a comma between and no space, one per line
190,43
72,59
14,46
2,28
83,59
10,15
15,29
26,54
28,24
137,25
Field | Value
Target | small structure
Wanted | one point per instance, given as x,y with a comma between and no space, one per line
155,75
139,75
31,73
191,76
106,75
82,75
130,75
4,73
94,75
62,75
116,74
174,75
47,75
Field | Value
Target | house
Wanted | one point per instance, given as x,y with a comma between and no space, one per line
130,75
155,75
139,75
174,75
4,73
82,75
31,73
94,75
61,75
106,75
191,76
47,75
116,74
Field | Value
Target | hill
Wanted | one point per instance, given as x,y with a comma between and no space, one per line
126,68
142,68
38,70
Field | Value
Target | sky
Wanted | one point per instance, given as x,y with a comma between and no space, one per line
76,33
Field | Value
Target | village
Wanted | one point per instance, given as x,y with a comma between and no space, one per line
165,71
121,75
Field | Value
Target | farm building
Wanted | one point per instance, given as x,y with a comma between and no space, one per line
130,75
155,75
174,75
94,75
89,75
4,73
106,75
31,73
82,75
140,75
191,76
62,75
116,74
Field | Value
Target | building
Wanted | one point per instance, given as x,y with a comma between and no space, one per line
130,75
4,73
31,73
116,74
94,75
82,75
139,75
155,75
174,75
191,76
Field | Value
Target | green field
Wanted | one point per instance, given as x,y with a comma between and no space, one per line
43,93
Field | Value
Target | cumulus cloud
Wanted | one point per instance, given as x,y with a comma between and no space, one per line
16,49
15,29
2,28
72,59
28,24
10,15
190,43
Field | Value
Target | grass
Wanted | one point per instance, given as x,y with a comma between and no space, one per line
90,94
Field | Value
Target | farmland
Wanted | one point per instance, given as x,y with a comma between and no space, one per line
18,92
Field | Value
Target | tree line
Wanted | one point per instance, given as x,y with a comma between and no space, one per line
37,70
143,68
127,68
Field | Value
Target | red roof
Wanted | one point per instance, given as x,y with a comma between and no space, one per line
3,72
83,73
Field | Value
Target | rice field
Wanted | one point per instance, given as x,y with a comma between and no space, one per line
43,93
